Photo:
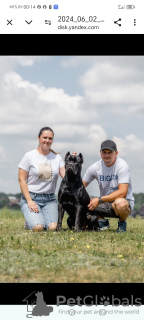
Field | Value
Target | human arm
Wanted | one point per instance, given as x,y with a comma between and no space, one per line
85,183
22,176
120,193
62,172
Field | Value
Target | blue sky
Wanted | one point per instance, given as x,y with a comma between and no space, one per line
85,99
53,74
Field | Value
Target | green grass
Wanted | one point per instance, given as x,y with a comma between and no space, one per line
68,256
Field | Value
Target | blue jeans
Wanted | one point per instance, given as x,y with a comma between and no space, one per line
48,210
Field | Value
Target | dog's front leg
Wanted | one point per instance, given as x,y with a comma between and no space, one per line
60,216
78,218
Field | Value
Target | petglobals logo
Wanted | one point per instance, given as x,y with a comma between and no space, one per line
36,305
96,300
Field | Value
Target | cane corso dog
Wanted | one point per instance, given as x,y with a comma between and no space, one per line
73,197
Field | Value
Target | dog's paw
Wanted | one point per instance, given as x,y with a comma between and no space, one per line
58,228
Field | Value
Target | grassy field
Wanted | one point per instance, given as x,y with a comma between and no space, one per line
68,256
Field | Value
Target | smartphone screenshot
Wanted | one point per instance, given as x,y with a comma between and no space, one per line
71,17
71,64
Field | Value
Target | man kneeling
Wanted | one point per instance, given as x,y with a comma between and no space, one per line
116,199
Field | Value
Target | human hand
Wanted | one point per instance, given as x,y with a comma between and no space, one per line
93,203
33,206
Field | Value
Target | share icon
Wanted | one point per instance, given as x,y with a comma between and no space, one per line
116,22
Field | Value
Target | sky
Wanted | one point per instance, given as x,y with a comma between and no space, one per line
84,99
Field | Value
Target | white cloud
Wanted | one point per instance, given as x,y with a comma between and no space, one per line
131,62
131,149
3,157
84,139
129,145
136,110
109,84
23,103
28,60
9,63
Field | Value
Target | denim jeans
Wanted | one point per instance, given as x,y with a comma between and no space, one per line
48,210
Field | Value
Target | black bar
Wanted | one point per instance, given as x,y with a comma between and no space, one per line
74,44
15,293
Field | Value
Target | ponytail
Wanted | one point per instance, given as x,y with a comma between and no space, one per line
51,150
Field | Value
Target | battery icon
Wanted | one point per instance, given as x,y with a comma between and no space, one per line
55,6
130,6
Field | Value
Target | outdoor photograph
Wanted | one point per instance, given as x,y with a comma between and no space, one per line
71,163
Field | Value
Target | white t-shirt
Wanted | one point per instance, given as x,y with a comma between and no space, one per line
43,171
109,177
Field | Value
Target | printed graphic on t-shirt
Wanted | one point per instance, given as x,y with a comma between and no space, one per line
108,178
45,172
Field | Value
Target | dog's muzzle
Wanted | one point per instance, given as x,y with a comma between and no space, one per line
71,169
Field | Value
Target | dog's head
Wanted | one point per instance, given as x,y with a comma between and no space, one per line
73,163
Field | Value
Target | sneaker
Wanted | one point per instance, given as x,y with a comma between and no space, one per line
121,226
103,224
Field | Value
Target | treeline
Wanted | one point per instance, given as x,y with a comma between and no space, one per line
139,200
13,200
10,200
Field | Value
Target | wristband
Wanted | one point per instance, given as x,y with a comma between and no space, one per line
100,200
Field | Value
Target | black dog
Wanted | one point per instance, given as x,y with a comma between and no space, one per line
73,198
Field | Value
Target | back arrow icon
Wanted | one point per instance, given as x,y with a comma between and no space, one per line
28,22
117,22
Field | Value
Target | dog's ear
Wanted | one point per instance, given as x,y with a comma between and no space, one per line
67,154
81,156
